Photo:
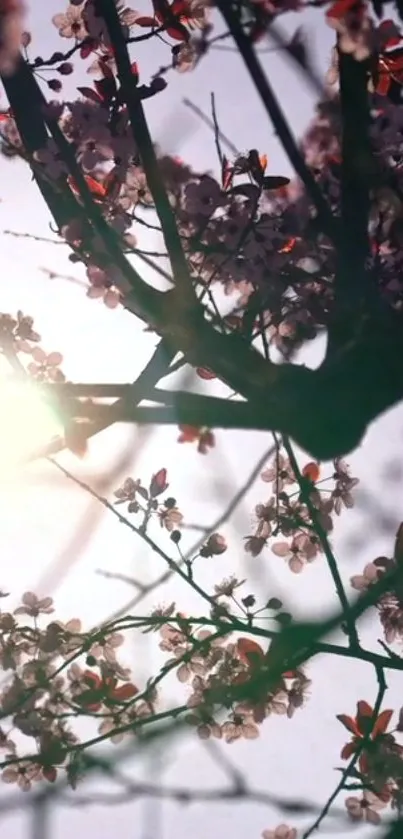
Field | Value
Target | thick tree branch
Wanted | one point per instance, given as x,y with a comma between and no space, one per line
326,412
356,286
186,295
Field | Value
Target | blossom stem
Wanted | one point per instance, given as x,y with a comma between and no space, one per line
322,536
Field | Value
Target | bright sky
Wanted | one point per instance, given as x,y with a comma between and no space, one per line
47,544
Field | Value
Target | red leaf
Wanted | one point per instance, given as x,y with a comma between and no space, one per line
88,48
227,174
311,471
205,373
383,84
92,679
349,723
275,182
181,9
249,651
189,433
112,184
382,723
178,33
95,187
125,692
147,21
347,751
91,94
289,246
106,69
340,8
364,709
106,88
383,29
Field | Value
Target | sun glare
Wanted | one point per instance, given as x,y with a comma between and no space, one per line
27,423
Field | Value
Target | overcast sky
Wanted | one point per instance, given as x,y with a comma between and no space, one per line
39,514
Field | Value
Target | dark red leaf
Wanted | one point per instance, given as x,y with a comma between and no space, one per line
349,723
227,173
106,88
275,182
146,21
205,373
91,94
124,692
249,651
88,47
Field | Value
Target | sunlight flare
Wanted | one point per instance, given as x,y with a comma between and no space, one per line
27,423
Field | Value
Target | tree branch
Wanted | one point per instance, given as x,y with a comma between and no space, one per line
186,296
273,109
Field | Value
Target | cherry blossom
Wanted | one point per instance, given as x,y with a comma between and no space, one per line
46,366
282,831
70,24
22,773
34,606
240,725
280,474
215,546
51,159
102,288
300,551
202,198
365,808
369,575
107,646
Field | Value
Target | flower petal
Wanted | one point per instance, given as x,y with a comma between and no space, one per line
364,709
349,723
348,750
54,359
382,722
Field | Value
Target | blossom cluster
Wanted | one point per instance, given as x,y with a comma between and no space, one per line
59,674
295,515
389,605
248,232
56,673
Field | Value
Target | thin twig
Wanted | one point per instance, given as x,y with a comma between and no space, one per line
278,119
222,137
360,748
143,142
324,541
